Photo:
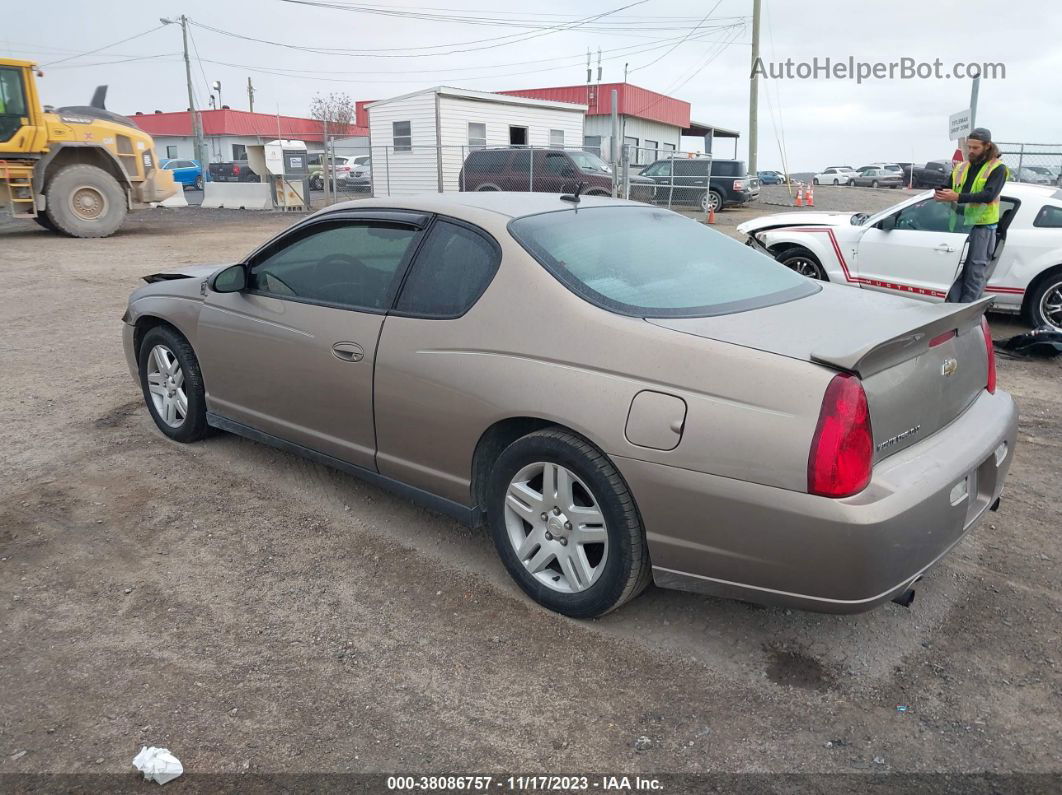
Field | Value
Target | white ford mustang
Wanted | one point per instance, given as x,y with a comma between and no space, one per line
909,248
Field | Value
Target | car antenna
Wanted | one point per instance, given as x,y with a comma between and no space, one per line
573,197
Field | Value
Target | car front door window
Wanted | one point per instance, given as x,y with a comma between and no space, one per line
348,264
930,215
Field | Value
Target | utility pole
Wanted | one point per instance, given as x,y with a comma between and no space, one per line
250,94
974,89
754,87
197,122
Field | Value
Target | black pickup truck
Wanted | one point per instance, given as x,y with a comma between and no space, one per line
233,171
934,174
683,180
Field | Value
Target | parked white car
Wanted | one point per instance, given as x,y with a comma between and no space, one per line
834,175
909,248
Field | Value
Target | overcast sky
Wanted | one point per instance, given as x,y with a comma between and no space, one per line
824,122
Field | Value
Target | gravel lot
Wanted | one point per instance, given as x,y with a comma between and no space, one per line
257,613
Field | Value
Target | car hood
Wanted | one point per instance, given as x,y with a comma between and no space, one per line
184,272
796,219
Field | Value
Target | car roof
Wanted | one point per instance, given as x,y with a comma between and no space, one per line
511,204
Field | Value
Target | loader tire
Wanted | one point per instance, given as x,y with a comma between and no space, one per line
85,201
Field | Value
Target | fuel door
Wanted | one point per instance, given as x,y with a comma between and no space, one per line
656,420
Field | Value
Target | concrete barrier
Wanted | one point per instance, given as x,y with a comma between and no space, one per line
238,195
176,200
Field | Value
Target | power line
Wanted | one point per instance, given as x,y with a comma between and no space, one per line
678,43
391,52
624,52
119,61
104,47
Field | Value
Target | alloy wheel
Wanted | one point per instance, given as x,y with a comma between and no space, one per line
166,385
804,266
556,527
1051,305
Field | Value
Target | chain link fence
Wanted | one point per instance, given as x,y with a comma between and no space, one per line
668,178
1040,164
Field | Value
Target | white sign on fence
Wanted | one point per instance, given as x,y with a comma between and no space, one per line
959,124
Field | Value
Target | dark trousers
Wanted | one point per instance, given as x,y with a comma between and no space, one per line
974,274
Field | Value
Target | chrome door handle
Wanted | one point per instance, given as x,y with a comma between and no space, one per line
348,351
945,248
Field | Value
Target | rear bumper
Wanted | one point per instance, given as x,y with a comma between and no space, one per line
769,545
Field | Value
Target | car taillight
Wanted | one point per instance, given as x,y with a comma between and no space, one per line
236,171
739,184
842,449
990,350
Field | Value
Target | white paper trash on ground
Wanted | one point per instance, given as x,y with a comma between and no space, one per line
158,764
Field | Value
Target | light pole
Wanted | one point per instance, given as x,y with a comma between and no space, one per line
217,87
197,123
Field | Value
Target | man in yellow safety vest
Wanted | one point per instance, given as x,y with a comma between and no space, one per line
975,188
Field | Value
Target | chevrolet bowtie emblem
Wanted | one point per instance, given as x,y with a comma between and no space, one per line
949,368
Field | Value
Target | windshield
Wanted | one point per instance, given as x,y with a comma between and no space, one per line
650,262
589,162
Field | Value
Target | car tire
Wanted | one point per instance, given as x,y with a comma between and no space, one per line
161,349
608,570
85,201
836,182
874,184
803,262
1044,302
815,181
199,183
711,200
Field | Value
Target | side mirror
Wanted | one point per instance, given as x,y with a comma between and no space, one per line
888,223
231,280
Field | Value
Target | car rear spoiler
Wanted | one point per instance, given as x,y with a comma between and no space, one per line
886,339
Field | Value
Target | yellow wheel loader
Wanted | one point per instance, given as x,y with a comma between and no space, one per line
75,170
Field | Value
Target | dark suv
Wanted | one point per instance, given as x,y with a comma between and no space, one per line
542,171
682,180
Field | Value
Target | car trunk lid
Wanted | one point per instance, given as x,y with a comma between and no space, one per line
921,364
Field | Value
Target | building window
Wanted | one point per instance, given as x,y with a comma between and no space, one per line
517,136
592,143
402,136
669,147
171,151
239,152
651,149
477,135
556,139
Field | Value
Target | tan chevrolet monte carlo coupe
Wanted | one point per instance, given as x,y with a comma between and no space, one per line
621,393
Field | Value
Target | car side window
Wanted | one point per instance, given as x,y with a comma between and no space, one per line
1049,216
658,169
353,264
557,163
930,215
452,269
521,161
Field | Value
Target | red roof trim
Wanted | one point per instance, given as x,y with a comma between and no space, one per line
634,101
239,122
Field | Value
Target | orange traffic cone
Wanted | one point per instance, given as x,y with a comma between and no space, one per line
811,195
800,196
711,213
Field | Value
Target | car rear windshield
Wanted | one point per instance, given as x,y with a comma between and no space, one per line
649,262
